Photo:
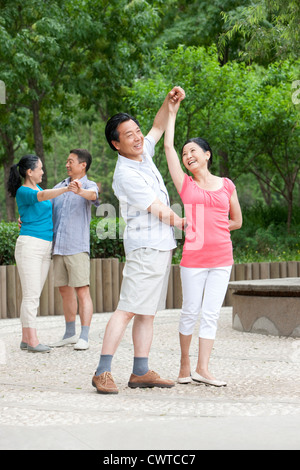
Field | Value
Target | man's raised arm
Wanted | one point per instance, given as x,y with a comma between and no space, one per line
161,118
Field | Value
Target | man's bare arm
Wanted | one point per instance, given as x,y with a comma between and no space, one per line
166,214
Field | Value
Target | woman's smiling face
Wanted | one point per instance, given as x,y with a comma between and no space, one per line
194,157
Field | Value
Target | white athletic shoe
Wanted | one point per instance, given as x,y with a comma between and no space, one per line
81,345
64,342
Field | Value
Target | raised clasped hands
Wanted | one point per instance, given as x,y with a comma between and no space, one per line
75,186
176,96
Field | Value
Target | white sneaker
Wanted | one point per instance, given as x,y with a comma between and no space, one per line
64,342
81,345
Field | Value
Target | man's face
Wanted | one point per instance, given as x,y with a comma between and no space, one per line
75,169
131,140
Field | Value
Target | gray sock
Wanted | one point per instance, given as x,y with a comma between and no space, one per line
85,333
104,364
140,366
70,329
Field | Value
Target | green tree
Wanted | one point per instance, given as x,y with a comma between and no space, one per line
194,23
52,52
246,113
271,29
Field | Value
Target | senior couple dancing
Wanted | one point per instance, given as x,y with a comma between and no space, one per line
207,255
148,241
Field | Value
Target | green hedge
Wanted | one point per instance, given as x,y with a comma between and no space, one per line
263,237
103,247
9,233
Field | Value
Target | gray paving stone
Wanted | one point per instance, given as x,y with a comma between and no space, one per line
50,397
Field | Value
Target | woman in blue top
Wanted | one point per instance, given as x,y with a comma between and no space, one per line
34,245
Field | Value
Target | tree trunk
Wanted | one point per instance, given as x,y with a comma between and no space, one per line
10,202
38,139
290,210
224,164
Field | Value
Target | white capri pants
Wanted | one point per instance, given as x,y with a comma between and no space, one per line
33,257
203,289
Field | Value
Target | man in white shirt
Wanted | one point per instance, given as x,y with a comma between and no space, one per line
148,242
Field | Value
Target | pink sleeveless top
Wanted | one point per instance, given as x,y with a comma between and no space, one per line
207,241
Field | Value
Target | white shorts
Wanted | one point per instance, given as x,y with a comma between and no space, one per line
145,281
204,290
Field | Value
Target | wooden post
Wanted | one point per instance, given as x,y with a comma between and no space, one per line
44,300
3,297
170,293
107,285
264,270
58,304
11,292
99,287
93,284
50,281
255,271
228,298
248,271
177,287
292,268
240,272
115,283
274,270
283,269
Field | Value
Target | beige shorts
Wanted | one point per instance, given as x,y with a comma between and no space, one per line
145,281
71,270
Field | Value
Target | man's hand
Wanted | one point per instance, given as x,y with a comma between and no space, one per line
170,106
166,215
75,186
181,224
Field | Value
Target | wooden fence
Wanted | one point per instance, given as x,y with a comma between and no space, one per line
106,278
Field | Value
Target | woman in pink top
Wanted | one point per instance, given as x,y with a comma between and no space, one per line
207,254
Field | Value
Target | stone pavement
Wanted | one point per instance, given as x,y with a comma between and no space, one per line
48,402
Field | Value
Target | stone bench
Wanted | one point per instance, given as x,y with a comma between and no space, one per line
267,306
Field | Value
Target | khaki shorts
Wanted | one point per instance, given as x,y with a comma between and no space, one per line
145,281
71,270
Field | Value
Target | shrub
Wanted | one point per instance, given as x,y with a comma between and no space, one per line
9,233
263,237
105,238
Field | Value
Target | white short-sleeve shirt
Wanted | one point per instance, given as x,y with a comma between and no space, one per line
137,185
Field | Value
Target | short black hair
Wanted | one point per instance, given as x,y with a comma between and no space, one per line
83,156
111,129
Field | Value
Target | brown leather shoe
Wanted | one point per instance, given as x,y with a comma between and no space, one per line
151,379
105,384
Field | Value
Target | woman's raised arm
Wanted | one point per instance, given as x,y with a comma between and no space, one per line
174,165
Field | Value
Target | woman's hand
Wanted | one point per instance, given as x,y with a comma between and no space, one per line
75,186
176,96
